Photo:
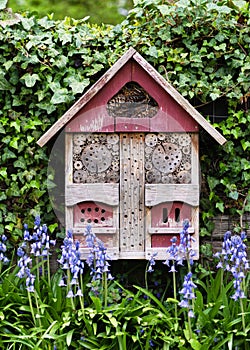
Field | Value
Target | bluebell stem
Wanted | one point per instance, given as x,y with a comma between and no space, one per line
187,291
3,249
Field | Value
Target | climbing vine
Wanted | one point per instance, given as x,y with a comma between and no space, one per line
200,46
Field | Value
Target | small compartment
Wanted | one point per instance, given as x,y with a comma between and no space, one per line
170,214
95,214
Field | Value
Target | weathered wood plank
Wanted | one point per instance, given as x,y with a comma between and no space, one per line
132,193
167,230
107,193
159,193
97,230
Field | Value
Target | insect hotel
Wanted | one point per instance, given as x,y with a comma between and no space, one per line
132,161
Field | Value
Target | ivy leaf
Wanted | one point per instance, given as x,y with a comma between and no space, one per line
220,206
2,196
60,96
241,4
245,144
2,130
61,62
20,163
233,195
4,84
76,85
3,172
152,51
30,79
14,143
164,9
214,96
27,23
212,182
3,4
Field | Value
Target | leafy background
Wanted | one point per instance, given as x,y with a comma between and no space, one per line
201,47
109,11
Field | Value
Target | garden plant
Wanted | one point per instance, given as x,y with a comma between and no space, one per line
82,305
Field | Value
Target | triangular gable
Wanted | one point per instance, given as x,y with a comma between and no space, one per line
105,79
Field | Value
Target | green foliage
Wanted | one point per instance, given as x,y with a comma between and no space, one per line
138,321
98,11
200,47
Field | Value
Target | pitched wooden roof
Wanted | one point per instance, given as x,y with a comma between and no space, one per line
131,54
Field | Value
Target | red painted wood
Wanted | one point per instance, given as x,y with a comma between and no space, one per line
161,241
171,116
95,214
132,124
157,215
93,117
106,239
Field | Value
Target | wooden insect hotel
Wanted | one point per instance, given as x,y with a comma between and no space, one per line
132,161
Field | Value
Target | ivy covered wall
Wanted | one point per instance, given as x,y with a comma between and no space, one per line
201,47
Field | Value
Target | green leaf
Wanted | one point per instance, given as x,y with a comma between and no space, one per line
3,4
4,84
78,86
60,96
152,51
27,23
234,195
195,344
30,79
3,172
164,9
69,337
20,163
245,144
14,143
220,206
212,182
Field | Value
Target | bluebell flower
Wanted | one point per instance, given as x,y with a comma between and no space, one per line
233,258
97,259
3,249
71,260
37,244
172,254
151,343
62,283
188,294
79,293
25,263
152,262
70,294
185,247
